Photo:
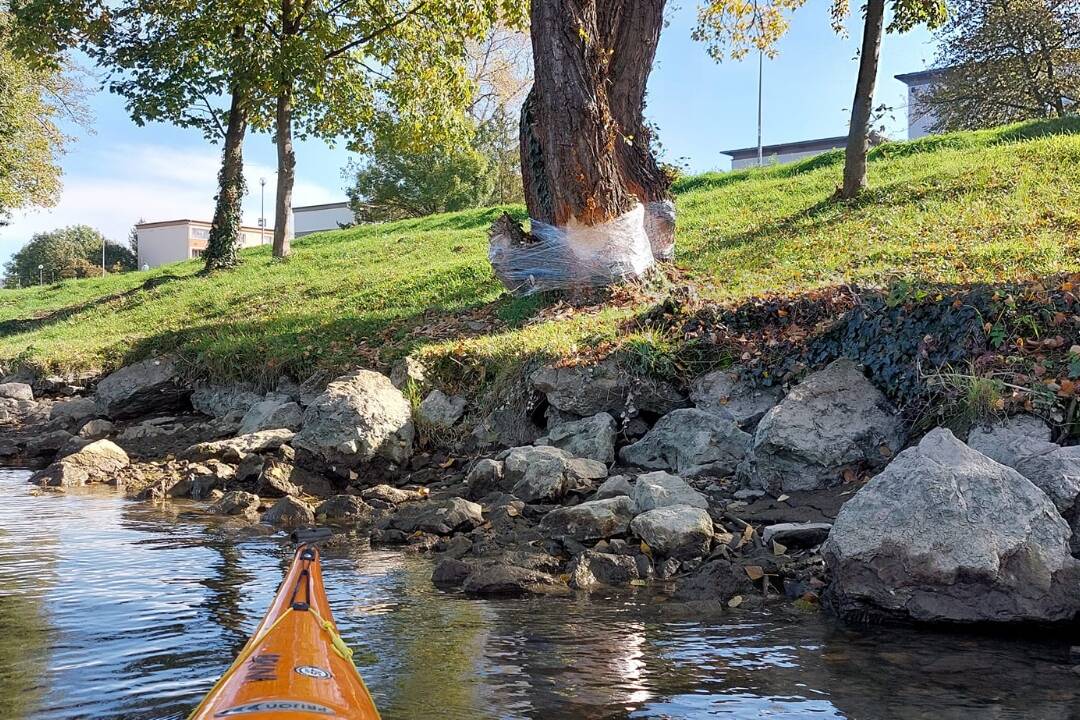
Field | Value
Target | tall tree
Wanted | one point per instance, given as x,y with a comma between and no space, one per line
1003,61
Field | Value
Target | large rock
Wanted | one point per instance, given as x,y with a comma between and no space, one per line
678,531
271,414
1006,441
235,449
485,476
391,495
344,508
586,390
440,409
150,386
237,502
360,416
537,474
591,437
591,520
1056,471
716,581
280,478
221,401
660,489
21,412
833,421
74,412
614,486
289,512
98,462
441,517
16,391
590,569
690,442
731,391
945,534
504,580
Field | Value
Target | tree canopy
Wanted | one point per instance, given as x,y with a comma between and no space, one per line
69,252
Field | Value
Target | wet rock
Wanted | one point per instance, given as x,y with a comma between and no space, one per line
344,508
289,512
235,449
614,486
485,477
796,535
450,573
98,462
732,392
586,390
945,534
718,580
441,517
660,489
441,410
833,421
1006,441
360,416
237,502
150,386
220,401
16,391
95,429
271,414
678,531
590,520
590,569
392,495
544,473
281,478
499,580
591,437
690,442
74,412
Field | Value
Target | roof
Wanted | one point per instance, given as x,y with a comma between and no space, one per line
800,146
324,206
187,221
920,77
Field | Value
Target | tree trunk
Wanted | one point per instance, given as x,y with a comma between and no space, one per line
223,247
584,147
286,173
858,143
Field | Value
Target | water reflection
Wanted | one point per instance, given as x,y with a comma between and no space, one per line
114,610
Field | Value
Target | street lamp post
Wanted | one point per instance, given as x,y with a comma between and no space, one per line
103,257
41,274
262,211
760,82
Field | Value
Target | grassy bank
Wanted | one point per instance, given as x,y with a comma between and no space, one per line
991,206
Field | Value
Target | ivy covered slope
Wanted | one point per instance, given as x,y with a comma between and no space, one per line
988,208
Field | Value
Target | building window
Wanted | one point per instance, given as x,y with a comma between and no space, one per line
196,252
200,233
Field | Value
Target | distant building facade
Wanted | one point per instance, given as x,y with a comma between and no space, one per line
920,117
308,219
175,240
783,153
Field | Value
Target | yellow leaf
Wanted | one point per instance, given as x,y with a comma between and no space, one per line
754,572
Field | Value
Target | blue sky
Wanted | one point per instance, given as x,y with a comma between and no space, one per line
120,172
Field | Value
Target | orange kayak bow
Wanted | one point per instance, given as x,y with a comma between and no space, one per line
295,666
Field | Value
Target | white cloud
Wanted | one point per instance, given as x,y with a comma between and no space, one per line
125,182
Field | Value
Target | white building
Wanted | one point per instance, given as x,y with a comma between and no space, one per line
315,218
783,153
920,118
174,240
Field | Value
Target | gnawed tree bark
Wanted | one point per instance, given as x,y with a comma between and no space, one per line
585,156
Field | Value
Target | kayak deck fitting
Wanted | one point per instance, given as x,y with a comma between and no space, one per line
295,666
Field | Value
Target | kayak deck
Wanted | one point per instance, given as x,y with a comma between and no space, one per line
295,666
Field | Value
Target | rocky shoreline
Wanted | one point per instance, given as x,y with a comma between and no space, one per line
725,494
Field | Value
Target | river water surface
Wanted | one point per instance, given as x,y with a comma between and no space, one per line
116,610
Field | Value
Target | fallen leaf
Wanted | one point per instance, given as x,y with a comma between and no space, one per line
646,549
778,549
747,536
448,463
754,572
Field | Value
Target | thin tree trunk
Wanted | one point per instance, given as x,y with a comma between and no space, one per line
286,173
223,247
858,143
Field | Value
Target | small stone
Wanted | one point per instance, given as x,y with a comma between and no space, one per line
441,410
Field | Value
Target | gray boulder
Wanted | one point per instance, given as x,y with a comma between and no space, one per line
237,448
677,531
271,414
485,476
360,416
537,474
591,569
731,392
592,520
289,512
690,442
833,421
152,385
282,478
16,391
74,412
945,534
504,580
408,370
441,517
14,412
591,437
716,581
660,489
1056,471
220,401
391,495
98,462
586,390
95,429
1006,441
237,502
440,409
614,486
344,508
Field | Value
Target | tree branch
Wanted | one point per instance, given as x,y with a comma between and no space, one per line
375,33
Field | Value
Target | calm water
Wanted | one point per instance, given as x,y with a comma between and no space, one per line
116,610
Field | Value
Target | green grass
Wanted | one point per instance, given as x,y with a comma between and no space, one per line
991,206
